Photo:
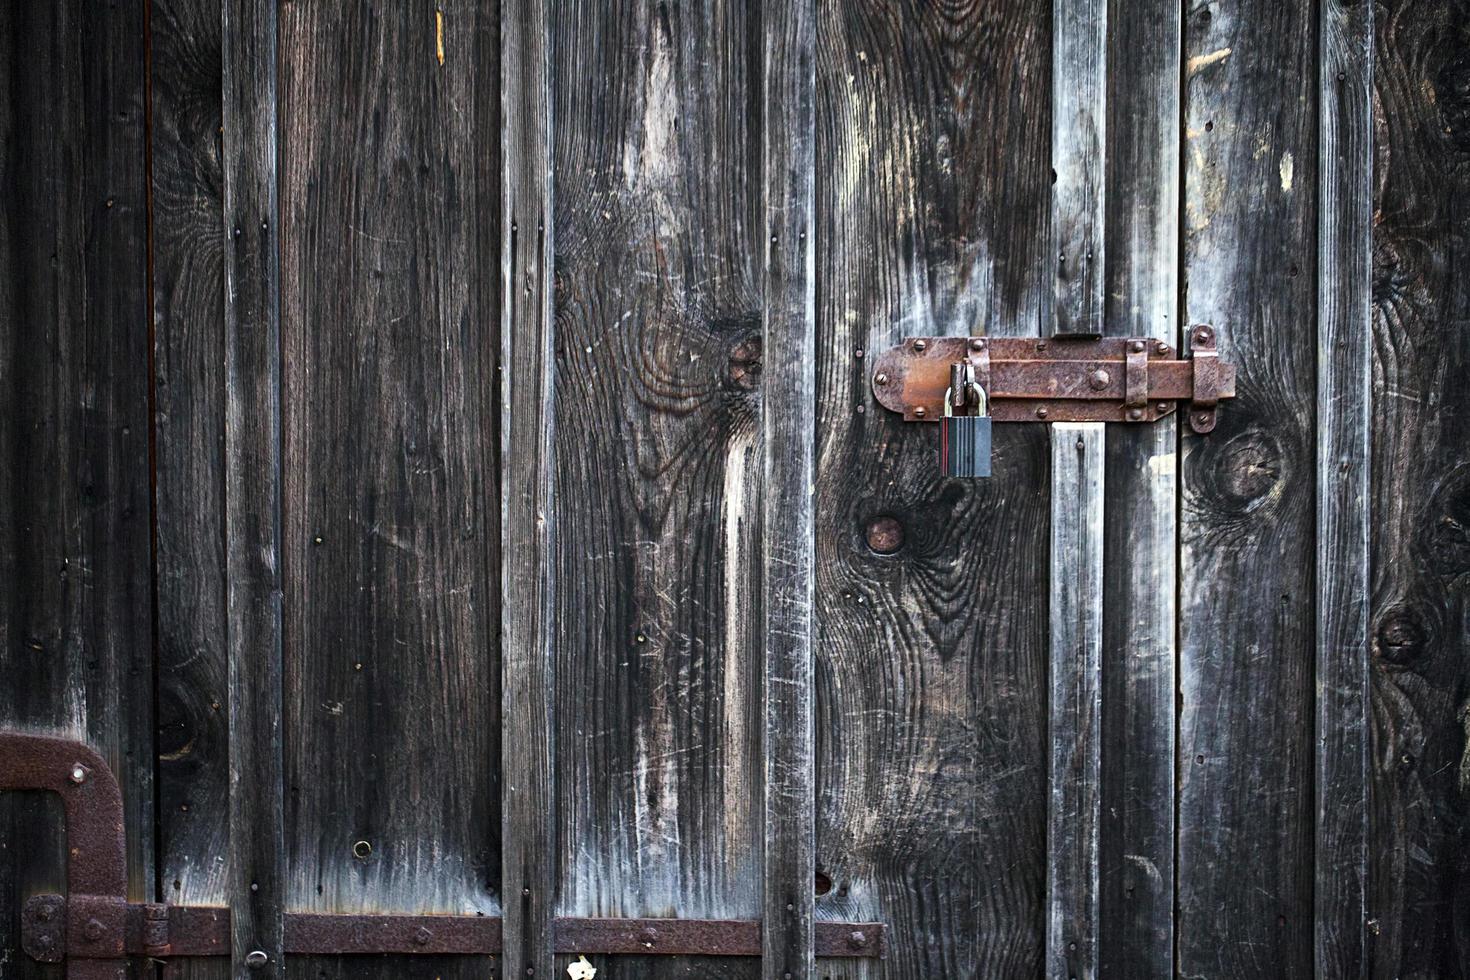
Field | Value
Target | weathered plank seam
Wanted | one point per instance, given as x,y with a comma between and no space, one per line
1344,472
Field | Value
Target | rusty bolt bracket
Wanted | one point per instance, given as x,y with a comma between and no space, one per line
1063,379
94,928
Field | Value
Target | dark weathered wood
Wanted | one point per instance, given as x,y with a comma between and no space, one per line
390,235
189,398
1074,719
788,138
1420,623
1136,847
527,492
1344,402
1247,551
76,635
252,483
657,516
1079,137
1079,194
931,649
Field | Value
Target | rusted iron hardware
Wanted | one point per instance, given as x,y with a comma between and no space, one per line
1052,379
95,928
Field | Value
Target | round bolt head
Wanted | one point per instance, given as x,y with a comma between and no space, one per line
977,343
1041,413
1162,348
78,773
856,939
94,929
921,411
46,913
256,958
920,344
45,943
1136,346
1134,414
422,936
1098,380
1163,406
880,378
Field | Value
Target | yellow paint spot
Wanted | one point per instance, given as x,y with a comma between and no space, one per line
439,35
1206,60
1288,168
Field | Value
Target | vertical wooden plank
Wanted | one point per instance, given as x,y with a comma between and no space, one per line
1075,701
527,491
787,440
930,653
1247,551
1136,847
189,415
1078,141
1079,131
389,201
76,635
1420,622
1344,405
660,369
252,491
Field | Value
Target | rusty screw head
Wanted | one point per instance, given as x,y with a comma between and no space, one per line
1201,335
78,773
648,937
256,958
920,345
1136,346
856,939
422,936
94,929
880,378
1162,348
1134,414
1098,380
1041,345
885,535
977,343
1041,413
921,411
46,913
1163,406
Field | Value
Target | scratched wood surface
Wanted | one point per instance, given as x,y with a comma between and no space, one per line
1246,521
655,624
188,430
76,634
930,659
1141,299
390,195
1420,618
628,740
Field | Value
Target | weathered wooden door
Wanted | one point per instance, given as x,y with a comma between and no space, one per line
442,476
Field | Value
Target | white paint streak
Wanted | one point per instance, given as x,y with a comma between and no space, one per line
1206,60
1288,168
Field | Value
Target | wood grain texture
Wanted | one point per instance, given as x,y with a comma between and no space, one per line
1136,847
788,140
189,398
390,232
528,879
1344,470
76,635
1078,141
657,623
1420,548
930,659
1078,463
1247,550
252,490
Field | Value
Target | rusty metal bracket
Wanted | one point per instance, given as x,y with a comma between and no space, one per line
1060,379
95,928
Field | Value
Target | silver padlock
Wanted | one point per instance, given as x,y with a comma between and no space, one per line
964,440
